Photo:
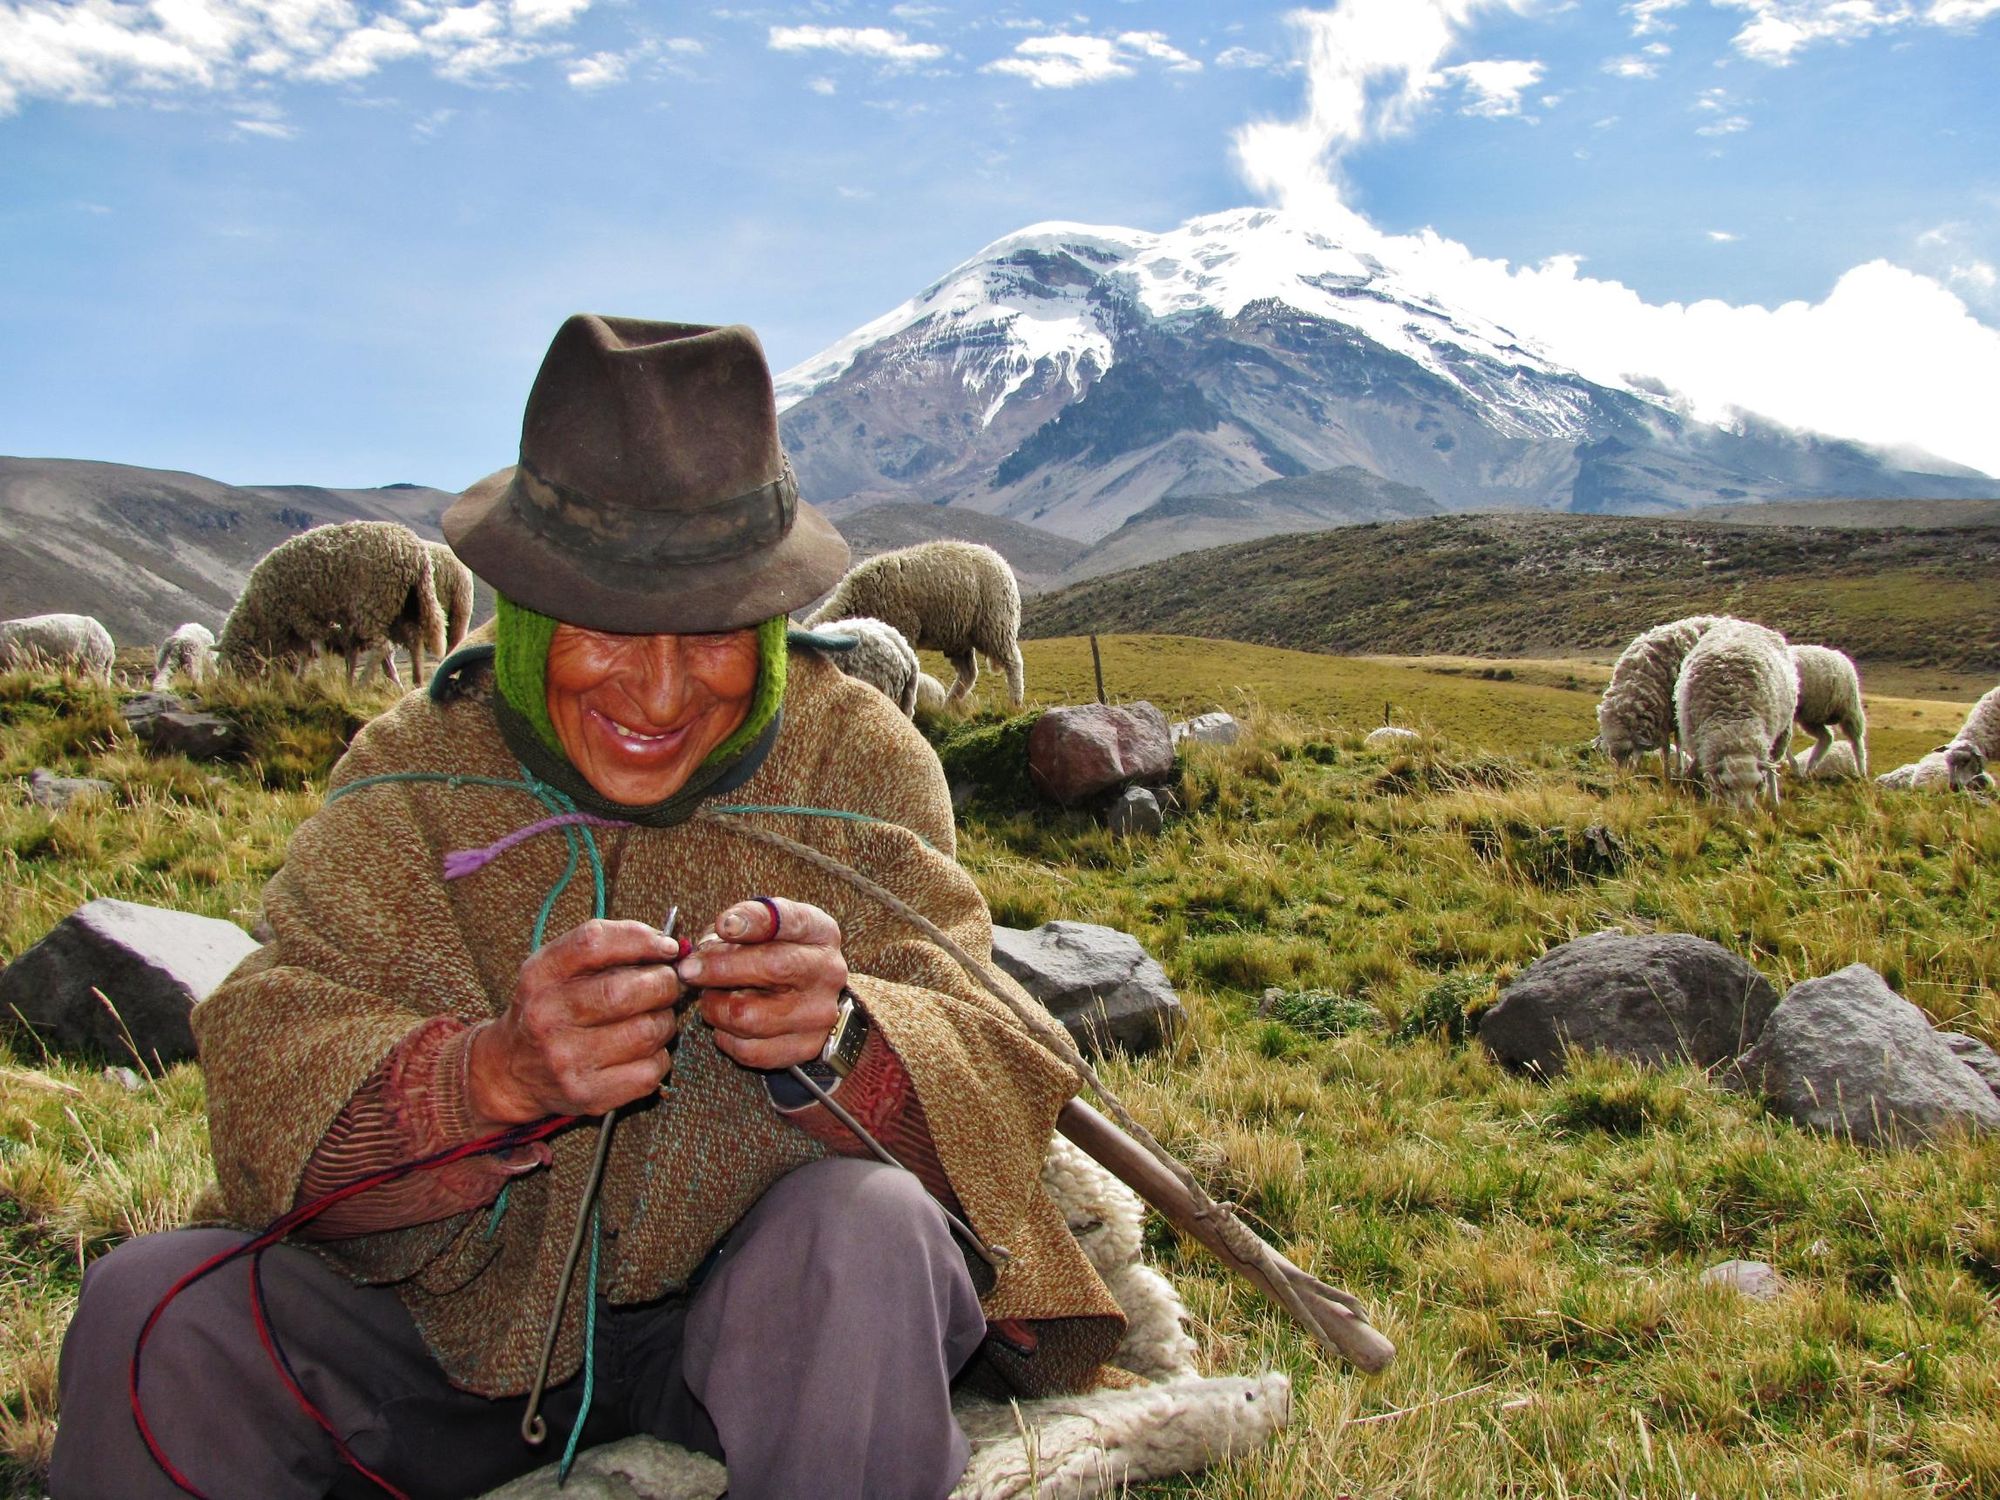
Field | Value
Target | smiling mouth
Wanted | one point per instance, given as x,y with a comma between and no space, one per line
625,734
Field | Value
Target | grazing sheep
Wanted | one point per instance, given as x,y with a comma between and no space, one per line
931,695
63,642
1838,764
1978,736
350,587
189,650
454,584
879,657
954,597
1940,771
1734,701
1390,737
1636,713
1829,697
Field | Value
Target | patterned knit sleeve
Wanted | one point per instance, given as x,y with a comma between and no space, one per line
878,1094
412,1106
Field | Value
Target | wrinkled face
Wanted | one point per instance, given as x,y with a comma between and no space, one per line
637,714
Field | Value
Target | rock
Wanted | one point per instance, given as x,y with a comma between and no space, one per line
153,964
1136,811
197,736
46,789
1391,737
1752,1278
1097,981
1075,753
138,706
1976,1055
1208,729
1662,998
1848,1055
634,1468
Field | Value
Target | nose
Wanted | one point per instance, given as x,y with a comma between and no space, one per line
658,682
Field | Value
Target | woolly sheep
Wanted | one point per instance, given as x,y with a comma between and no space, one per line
1978,737
1838,764
1734,700
1390,737
879,657
931,695
65,642
1108,1221
454,584
1830,697
954,597
1636,713
189,650
1940,772
351,587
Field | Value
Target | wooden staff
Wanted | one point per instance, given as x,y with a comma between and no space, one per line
1335,1319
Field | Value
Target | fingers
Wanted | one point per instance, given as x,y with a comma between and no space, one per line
756,1015
599,973
763,918
768,966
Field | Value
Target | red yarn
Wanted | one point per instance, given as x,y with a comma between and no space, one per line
276,1230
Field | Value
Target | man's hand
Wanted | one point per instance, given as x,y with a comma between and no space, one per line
770,988
586,1031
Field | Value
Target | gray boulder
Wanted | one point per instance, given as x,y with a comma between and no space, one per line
1136,811
1075,753
1097,981
1664,998
183,732
1976,1055
1848,1055
46,789
1209,729
1754,1279
152,964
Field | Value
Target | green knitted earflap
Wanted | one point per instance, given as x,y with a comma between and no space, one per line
521,662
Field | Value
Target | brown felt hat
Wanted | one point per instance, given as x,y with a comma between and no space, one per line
652,495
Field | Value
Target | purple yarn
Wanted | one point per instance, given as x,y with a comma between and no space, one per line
460,862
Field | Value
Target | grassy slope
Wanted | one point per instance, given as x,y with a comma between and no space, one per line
1533,1250
1522,585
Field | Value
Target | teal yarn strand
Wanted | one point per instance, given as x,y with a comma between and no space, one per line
589,1350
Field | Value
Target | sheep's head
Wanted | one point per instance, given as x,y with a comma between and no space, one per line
1737,778
1966,764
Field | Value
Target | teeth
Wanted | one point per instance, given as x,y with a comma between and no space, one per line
633,734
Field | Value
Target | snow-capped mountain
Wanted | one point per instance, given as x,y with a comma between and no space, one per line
1072,376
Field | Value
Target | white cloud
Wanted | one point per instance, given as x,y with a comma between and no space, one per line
1646,15
1494,87
1657,49
1242,57
116,51
597,71
1889,356
1723,236
1976,276
1632,65
275,130
1727,125
1064,61
822,86
1779,29
856,41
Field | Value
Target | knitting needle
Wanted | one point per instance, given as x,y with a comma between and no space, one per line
534,1430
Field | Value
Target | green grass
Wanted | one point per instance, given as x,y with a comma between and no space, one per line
1533,1250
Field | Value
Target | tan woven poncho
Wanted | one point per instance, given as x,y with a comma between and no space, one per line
369,940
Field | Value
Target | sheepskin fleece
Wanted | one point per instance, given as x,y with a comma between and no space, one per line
352,586
453,582
75,642
368,941
1838,764
1830,698
953,597
1940,771
1735,698
1061,1448
1636,712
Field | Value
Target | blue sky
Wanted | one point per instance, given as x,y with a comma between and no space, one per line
327,240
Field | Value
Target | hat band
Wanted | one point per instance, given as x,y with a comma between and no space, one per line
715,532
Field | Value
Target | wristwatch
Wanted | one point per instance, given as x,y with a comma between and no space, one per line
843,1044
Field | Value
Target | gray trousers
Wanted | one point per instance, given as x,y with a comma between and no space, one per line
815,1359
